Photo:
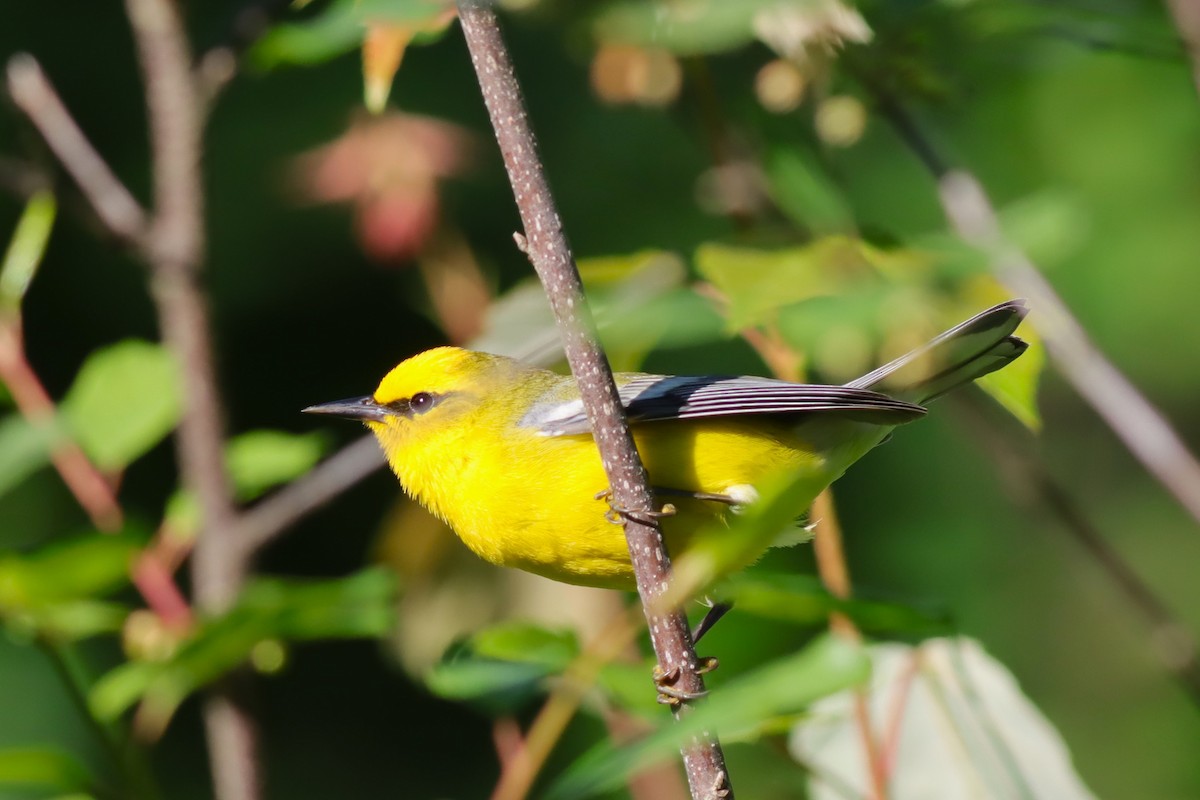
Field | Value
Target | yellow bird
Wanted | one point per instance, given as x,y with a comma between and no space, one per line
503,453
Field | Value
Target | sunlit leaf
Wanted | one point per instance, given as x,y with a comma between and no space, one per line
83,567
966,730
79,619
722,548
45,768
784,686
635,299
260,460
1014,387
759,283
125,399
24,448
25,250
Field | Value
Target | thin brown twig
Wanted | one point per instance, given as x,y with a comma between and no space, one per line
260,524
32,92
827,543
1135,421
84,481
520,771
835,575
1028,480
174,248
547,247
894,725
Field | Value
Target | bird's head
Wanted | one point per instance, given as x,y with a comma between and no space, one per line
422,396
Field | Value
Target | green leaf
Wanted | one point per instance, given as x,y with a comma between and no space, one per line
526,642
803,600
339,29
759,283
1015,387
261,460
627,686
495,684
79,619
359,606
80,568
43,767
24,448
627,292
785,686
125,399
719,549
25,251
685,27
502,667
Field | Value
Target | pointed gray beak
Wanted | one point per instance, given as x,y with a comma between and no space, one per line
364,408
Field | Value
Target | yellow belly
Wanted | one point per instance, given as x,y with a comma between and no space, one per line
546,519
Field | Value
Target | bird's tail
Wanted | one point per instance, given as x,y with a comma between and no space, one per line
967,351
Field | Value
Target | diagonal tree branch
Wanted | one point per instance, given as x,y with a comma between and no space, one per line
546,244
1135,421
260,524
32,92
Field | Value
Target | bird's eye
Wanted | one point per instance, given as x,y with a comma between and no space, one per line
421,402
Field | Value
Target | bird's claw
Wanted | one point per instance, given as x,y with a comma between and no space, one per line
665,680
618,514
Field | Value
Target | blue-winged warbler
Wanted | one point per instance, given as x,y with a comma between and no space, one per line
503,452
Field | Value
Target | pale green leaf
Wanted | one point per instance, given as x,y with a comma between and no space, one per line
260,460
125,399
965,730
24,448
45,768
25,250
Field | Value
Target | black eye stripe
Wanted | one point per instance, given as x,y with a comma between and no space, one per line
419,403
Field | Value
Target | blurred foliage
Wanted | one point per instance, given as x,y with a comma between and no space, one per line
740,202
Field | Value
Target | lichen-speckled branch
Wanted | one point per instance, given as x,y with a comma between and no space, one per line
546,245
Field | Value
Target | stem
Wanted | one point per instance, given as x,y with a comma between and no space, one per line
835,574
546,245
84,481
259,525
174,248
33,94
1030,483
125,757
526,761
1137,423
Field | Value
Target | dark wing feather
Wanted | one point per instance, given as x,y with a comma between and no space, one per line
649,398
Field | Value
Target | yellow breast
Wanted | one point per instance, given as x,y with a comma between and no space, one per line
529,501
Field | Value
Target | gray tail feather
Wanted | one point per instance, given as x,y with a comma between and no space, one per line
970,350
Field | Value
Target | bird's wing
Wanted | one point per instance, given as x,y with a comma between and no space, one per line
648,398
